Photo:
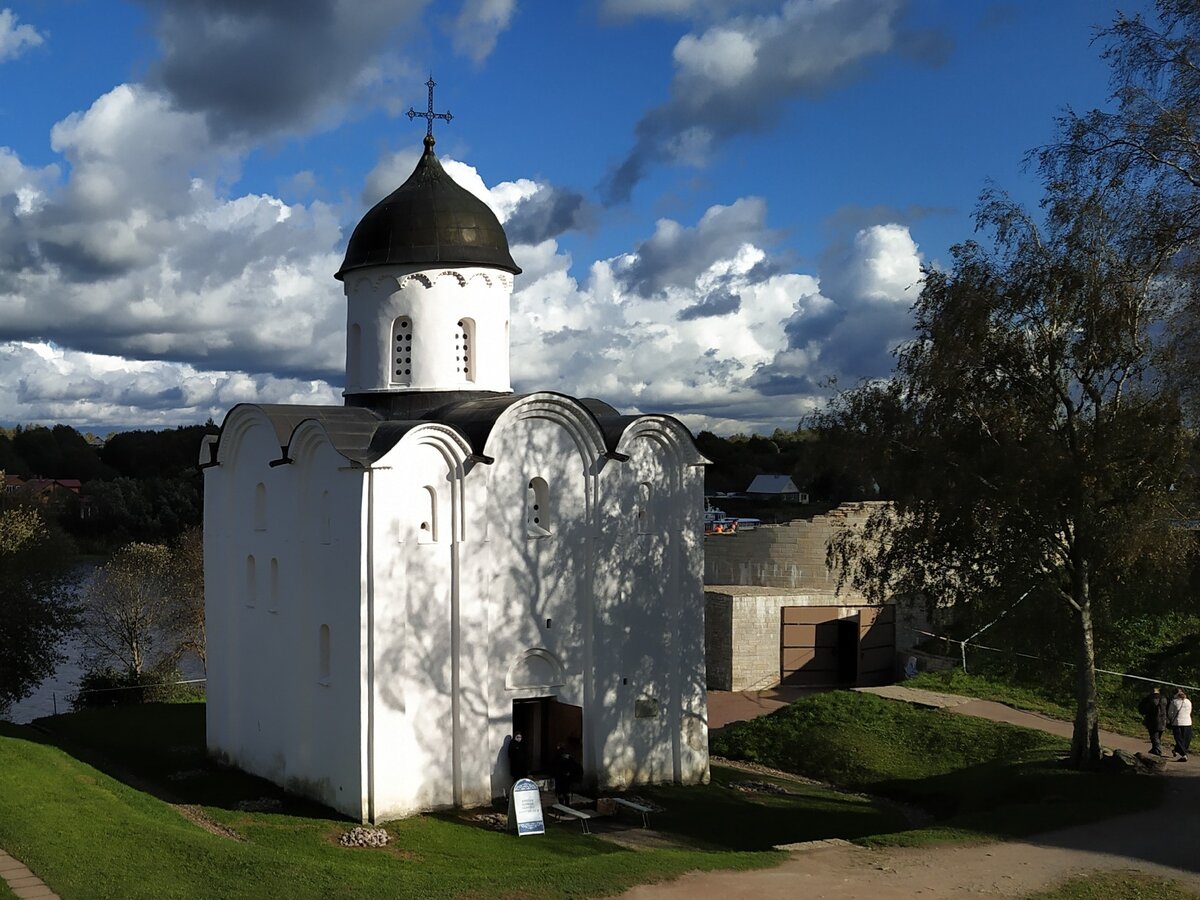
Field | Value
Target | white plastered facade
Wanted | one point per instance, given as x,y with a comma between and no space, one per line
373,617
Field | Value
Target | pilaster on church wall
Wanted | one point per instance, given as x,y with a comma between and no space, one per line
537,581
481,769
652,504
412,653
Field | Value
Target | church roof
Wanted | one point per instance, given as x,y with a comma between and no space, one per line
430,219
363,436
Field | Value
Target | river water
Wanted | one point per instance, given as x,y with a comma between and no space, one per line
50,697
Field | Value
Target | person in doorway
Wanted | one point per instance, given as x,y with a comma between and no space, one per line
518,764
566,772
1180,720
1154,717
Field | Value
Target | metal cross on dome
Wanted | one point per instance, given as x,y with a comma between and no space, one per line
430,115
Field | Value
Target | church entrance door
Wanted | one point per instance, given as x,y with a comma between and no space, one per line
544,723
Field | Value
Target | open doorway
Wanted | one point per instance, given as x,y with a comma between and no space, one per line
544,723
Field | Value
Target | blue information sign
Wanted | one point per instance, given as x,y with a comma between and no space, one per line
525,808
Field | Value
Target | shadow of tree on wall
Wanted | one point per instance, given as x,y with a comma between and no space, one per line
602,598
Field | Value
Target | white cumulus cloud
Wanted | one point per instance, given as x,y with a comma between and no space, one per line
15,39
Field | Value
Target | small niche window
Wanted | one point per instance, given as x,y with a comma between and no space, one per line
537,503
260,507
274,593
251,582
326,519
323,667
464,349
402,340
427,524
645,508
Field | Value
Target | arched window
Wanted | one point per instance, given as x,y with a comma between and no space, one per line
427,527
645,508
464,349
402,336
251,582
260,507
274,593
537,508
325,519
323,667
354,357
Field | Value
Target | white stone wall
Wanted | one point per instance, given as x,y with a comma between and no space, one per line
269,711
436,592
435,300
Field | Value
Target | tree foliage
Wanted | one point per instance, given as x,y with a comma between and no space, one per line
144,609
1037,450
187,593
1148,143
128,616
36,604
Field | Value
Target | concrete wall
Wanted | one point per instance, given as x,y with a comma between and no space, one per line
750,575
790,556
742,634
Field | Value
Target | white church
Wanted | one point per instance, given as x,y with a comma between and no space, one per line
395,586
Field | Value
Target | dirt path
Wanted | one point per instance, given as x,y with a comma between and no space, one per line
1164,842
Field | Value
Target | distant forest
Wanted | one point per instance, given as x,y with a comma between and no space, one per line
136,485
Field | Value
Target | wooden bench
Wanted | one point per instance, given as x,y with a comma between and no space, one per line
643,811
576,813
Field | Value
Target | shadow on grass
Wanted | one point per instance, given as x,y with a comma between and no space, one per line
159,748
729,814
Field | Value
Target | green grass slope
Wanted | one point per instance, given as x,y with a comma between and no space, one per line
107,834
978,778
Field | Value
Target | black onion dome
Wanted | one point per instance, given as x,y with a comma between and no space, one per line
428,219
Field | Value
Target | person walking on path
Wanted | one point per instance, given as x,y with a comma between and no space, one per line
1180,720
1154,717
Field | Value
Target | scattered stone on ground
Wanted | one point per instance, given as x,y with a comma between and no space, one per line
360,836
758,787
198,816
1135,763
493,820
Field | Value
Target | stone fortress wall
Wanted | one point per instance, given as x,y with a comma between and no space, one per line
750,576
790,557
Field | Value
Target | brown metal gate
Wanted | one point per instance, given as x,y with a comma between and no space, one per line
876,645
822,645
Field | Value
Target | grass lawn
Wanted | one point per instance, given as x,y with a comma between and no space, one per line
1121,885
93,835
84,808
979,779
1118,715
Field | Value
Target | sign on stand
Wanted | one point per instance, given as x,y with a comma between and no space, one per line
525,808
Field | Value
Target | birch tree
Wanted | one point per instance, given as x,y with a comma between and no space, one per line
128,609
1032,446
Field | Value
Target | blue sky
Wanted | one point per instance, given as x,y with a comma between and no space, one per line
720,205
